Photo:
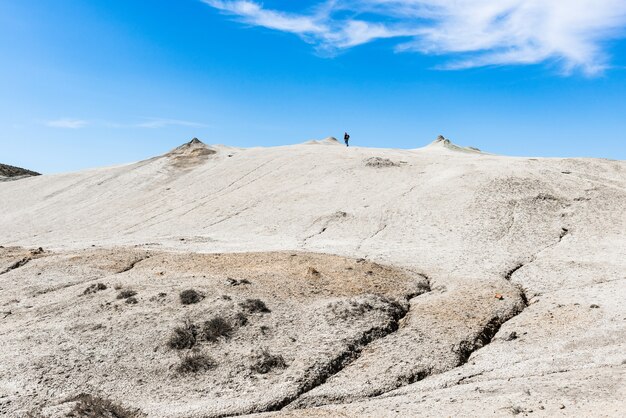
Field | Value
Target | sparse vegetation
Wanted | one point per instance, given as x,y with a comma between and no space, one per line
216,328
254,306
195,362
265,362
132,300
240,319
183,337
357,307
89,406
190,296
125,294
96,287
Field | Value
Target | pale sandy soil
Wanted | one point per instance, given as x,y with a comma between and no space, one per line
438,281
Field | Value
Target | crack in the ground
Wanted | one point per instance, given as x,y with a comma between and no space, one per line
132,265
320,232
346,357
329,219
464,378
494,325
316,376
508,275
23,261
466,348
486,335
378,231
16,265
463,350
227,217
381,229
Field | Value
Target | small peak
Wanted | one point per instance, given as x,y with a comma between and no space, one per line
443,142
443,139
190,154
193,144
9,171
331,140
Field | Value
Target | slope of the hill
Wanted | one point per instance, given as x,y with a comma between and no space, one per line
8,173
519,263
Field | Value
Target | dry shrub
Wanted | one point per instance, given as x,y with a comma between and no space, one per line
190,296
96,287
125,294
216,328
264,362
183,337
254,305
195,362
89,406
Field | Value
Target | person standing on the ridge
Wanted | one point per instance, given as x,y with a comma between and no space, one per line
346,138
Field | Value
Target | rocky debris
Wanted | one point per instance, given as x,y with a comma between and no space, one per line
510,336
378,162
235,282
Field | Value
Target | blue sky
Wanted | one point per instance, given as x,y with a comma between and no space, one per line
93,83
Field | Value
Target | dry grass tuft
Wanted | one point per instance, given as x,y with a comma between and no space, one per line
183,337
195,362
216,328
254,306
190,296
89,406
264,362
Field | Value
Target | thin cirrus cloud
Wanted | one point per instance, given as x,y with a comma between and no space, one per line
147,123
470,33
153,123
67,123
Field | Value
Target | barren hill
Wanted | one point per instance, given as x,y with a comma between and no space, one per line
326,281
8,172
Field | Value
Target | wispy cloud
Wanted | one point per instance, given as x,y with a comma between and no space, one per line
145,123
471,33
67,123
153,123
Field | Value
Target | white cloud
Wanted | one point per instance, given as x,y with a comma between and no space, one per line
472,33
147,123
153,123
67,123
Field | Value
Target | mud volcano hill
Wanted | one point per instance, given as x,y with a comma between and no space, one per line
8,172
316,280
